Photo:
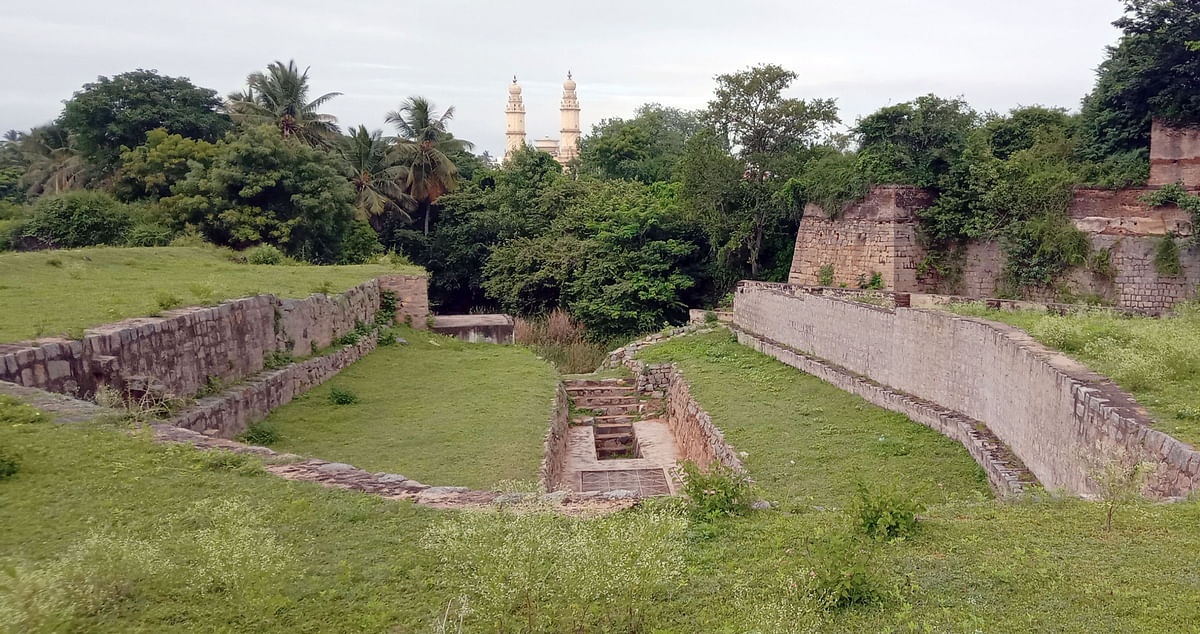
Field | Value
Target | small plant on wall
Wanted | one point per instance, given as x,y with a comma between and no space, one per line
825,275
1166,256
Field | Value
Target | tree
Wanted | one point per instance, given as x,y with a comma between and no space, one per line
1154,71
113,112
76,219
916,142
425,146
374,168
645,148
280,97
151,169
52,164
264,188
755,119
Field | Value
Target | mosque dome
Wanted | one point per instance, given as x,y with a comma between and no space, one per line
569,84
515,88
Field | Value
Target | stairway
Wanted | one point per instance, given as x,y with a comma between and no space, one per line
610,406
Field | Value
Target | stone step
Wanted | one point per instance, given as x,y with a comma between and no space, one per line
605,453
576,392
604,399
600,420
614,428
609,410
570,383
623,438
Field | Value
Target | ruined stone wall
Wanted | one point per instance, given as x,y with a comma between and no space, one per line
876,234
177,353
1053,413
1174,155
413,291
696,437
556,446
233,410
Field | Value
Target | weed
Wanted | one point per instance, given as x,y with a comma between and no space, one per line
166,300
825,275
389,302
325,288
342,396
885,514
840,572
8,465
1166,256
276,359
204,292
1119,481
710,317
718,492
55,262
260,433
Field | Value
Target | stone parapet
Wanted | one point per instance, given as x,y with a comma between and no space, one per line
556,445
1054,414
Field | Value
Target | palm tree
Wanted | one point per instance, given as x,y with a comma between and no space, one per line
424,145
53,164
373,166
280,96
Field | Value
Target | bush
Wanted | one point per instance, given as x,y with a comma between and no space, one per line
342,396
267,254
886,514
1166,256
77,219
840,573
149,235
260,433
360,244
277,359
8,465
561,340
719,492
825,275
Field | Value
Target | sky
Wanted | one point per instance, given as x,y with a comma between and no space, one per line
865,53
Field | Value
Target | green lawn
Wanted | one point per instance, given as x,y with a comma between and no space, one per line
439,410
1157,360
47,293
807,440
104,532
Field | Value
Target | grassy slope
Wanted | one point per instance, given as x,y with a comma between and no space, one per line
1156,360
53,292
438,410
804,436
91,504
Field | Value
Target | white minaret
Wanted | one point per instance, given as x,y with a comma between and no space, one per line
516,120
569,144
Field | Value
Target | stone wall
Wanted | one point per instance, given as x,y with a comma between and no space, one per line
477,328
1053,413
556,446
876,234
696,437
177,353
229,413
413,294
1174,155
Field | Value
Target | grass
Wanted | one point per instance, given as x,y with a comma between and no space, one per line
106,532
804,437
438,410
47,293
1157,360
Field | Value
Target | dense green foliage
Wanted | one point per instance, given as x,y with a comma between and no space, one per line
262,187
150,170
645,148
75,219
113,112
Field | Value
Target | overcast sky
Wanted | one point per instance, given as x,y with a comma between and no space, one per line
866,53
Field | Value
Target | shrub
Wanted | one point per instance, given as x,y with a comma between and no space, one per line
876,282
166,300
840,573
561,340
8,465
260,433
267,254
389,301
1102,265
825,275
277,359
886,514
342,396
77,219
710,317
718,492
149,235
360,244
1166,256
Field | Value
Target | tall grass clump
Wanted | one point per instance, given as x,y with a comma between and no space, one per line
561,340
544,572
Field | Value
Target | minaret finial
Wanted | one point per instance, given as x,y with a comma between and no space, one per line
569,75
514,79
